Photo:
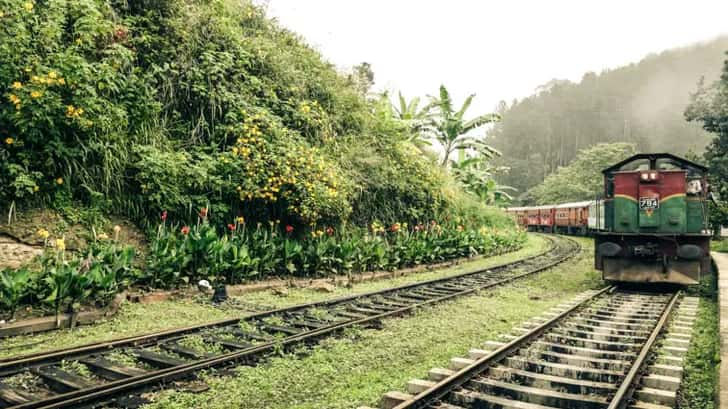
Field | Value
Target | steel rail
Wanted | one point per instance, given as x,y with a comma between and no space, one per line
113,388
629,383
11,363
438,391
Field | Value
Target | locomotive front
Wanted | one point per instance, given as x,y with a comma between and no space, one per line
655,221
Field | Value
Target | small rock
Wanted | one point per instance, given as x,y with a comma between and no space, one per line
280,291
323,287
204,286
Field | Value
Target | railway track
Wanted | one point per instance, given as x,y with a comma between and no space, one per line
608,349
109,372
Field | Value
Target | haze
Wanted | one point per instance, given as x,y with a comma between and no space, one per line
498,50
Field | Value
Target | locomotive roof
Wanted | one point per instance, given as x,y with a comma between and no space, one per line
654,156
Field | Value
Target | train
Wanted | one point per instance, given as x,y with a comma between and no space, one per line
650,224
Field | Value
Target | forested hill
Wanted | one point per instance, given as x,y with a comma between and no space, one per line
641,103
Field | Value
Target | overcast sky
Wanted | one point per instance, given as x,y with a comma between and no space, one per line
498,50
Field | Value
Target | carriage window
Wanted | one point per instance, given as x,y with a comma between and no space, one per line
669,164
639,164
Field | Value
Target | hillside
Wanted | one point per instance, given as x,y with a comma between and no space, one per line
135,108
642,103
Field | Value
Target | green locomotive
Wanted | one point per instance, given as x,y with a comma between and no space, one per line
656,221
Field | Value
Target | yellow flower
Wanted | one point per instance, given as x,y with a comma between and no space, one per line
53,75
62,81
240,220
17,85
35,94
59,181
28,6
102,236
9,141
14,99
60,244
43,233
36,188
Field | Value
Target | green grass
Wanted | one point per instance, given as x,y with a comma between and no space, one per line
719,245
700,383
135,319
359,367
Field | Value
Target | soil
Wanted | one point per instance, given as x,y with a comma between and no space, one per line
19,240
14,254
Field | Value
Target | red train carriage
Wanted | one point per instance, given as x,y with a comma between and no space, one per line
533,218
546,216
572,218
521,216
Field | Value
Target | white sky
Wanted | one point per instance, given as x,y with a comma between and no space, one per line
498,50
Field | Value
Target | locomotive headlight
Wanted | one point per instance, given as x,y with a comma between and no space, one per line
653,175
644,176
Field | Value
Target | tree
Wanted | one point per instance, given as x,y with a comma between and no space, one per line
582,179
416,119
362,77
477,175
640,103
451,129
709,105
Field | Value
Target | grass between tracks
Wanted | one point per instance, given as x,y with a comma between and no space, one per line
357,368
136,319
719,245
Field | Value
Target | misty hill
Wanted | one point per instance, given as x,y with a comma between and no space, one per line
641,103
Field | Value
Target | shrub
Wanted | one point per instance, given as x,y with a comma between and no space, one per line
69,279
181,254
139,107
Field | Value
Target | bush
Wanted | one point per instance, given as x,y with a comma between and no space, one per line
145,106
183,254
65,279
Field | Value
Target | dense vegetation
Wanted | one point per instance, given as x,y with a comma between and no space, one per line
710,106
259,156
640,103
582,179
141,107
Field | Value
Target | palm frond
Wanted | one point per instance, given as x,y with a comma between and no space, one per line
461,113
480,121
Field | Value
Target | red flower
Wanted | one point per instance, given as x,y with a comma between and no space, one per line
203,212
289,229
394,228
185,230
330,231
231,227
164,216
